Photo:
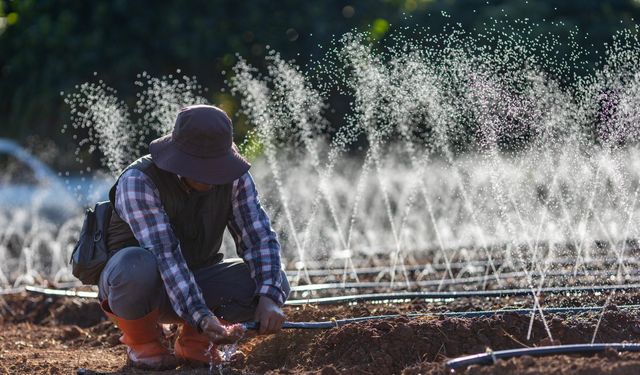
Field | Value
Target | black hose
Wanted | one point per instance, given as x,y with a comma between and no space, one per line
454,314
390,297
439,266
492,357
441,282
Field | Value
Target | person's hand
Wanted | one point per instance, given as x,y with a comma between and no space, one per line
219,334
269,315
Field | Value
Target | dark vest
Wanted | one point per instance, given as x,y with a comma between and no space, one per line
198,219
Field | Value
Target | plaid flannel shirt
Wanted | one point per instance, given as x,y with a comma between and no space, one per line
138,203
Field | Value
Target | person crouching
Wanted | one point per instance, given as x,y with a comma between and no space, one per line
171,209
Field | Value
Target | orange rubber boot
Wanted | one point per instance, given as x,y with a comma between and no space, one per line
142,337
194,348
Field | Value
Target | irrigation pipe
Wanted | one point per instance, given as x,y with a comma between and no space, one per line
60,292
334,323
439,282
454,265
387,297
491,357
366,285
390,297
320,264
460,314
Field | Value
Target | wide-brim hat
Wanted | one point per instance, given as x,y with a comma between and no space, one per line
200,147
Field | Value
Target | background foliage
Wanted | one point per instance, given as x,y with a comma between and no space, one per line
49,46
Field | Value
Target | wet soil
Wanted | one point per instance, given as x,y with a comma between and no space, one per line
59,335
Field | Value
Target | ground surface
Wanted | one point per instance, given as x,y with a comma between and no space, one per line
43,335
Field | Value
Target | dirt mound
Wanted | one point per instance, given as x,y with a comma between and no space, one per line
389,346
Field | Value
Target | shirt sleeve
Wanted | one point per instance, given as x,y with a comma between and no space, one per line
256,242
138,203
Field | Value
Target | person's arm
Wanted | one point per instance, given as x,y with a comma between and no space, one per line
138,203
257,243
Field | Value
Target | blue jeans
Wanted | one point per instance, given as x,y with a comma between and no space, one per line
132,284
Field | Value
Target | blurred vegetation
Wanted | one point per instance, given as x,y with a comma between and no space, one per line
49,46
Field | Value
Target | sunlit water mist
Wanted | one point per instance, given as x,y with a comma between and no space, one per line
456,149
477,147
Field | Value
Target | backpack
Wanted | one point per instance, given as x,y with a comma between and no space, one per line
91,252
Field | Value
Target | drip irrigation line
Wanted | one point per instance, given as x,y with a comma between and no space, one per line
61,292
441,282
456,314
492,357
378,269
387,297
320,264
453,265
377,285
391,297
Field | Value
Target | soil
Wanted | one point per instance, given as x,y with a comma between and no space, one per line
60,335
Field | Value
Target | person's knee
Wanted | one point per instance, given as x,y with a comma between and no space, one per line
133,282
137,268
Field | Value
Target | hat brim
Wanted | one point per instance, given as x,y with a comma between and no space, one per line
214,171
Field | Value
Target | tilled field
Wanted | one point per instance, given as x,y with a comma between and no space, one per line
60,335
